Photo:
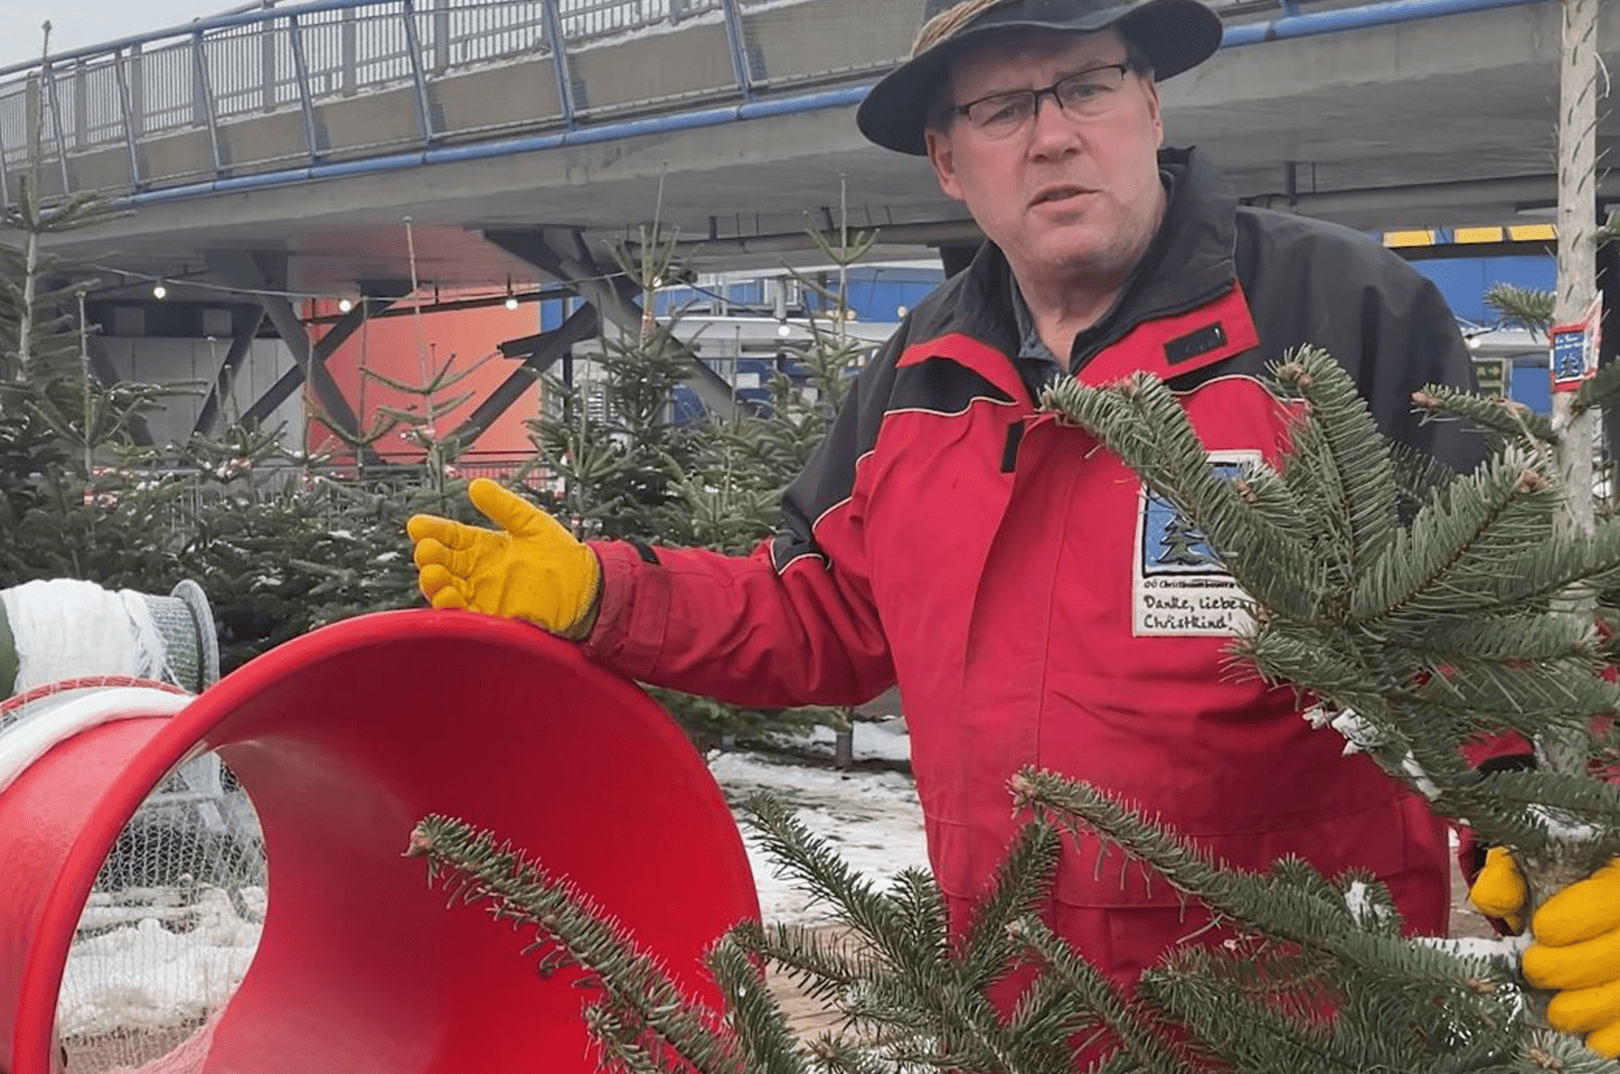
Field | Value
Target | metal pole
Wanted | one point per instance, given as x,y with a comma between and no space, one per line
129,120
301,71
267,63
413,46
81,107
559,61
203,97
137,90
441,35
739,50
49,74
5,179
350,49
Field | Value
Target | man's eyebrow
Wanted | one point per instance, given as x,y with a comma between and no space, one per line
1097,65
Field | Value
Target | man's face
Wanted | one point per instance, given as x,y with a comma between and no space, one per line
1068,199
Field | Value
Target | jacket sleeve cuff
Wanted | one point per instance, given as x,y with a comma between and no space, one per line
633,611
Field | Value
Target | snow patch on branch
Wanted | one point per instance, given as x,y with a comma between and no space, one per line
1360,735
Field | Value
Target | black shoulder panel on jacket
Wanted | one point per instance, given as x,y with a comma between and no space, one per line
942,386
974,302
1311,282
828,478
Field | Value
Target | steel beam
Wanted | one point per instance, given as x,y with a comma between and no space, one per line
334,338
562,254
538,354
247,272
245,322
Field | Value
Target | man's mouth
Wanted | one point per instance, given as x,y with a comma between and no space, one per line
1058,193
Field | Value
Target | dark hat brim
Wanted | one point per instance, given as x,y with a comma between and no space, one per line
1174,34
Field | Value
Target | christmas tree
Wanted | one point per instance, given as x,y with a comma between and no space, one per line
626,467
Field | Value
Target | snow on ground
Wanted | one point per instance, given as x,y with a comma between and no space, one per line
144,976
143,960
868,818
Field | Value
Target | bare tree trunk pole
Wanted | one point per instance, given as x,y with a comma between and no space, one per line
1577,279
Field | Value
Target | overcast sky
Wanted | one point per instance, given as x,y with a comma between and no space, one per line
80,23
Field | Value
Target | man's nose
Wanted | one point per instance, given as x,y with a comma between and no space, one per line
1053,127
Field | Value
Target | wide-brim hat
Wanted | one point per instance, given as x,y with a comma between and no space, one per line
1174,35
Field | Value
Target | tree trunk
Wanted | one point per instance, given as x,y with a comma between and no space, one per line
1577,280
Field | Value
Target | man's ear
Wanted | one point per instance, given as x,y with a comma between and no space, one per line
940,156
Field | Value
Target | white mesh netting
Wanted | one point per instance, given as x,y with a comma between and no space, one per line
169,930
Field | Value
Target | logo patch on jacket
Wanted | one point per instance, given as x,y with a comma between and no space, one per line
1180,588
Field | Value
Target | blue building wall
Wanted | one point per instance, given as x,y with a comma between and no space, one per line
1464,281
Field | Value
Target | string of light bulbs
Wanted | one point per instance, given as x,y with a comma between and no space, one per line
345,303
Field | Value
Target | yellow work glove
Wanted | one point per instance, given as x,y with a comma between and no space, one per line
1576,950
531,568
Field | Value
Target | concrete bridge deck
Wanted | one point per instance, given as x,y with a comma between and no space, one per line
312,130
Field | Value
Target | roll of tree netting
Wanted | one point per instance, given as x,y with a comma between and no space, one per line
64,628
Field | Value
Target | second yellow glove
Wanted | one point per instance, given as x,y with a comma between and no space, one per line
530,568
1576,950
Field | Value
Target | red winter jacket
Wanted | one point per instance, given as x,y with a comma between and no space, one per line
1036,605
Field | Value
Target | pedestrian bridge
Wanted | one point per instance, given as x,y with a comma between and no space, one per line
314,128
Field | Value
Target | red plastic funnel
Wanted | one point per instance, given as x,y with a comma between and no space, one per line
343,739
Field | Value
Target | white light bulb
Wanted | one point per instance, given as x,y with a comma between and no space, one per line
783,329
511,302
159,291
344,305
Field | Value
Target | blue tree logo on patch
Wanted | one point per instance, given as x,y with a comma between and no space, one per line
1171,544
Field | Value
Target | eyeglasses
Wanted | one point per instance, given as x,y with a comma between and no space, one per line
1087,95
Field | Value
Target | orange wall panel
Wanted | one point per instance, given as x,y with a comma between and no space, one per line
408,349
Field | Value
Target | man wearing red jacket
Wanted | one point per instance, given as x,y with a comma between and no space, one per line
1034,602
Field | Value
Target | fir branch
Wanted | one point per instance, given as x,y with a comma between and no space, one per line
1022,883
1253,1036
1517,809
755,1017
1134,1029
834,1055
641,996
1559,1053
1512,640
1339,446
825,876
1601,391
1291,913
916,984
1459,539
1524,306
824,968
1506,417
